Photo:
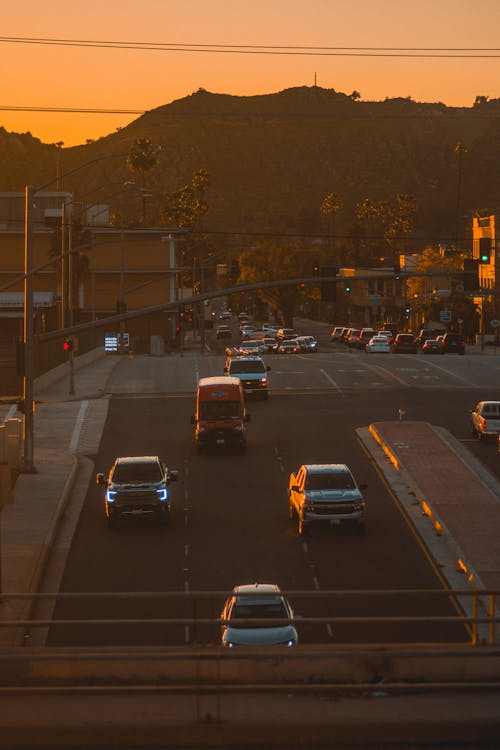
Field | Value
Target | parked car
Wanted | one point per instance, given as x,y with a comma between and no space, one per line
405,343
485,419
336,334
431,346
352,337
453,342
258,602
378,344
325,493
137,486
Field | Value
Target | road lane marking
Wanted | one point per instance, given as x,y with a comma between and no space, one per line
78,426
330,380
316,583
453,374
383,371
329,630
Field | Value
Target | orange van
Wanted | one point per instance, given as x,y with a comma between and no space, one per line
220,418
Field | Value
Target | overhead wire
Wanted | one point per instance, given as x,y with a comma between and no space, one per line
301,50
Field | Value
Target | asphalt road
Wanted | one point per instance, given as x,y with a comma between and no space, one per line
230,519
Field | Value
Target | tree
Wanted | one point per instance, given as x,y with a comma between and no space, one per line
355,95
268,261
331,204
185,208
396,218
141,161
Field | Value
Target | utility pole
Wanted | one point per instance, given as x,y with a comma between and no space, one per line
70,309
28,457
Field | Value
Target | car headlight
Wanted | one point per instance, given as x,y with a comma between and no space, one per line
162,494
111,496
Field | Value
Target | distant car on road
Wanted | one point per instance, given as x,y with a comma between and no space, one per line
251,371
453,342
289,346
258,603
431,346
137,486
308,344
485,419
325,493
378,344
405,343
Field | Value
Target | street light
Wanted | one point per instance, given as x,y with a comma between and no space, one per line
28,466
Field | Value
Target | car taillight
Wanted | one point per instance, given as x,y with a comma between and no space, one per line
482,424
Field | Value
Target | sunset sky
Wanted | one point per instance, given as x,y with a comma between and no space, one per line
92,77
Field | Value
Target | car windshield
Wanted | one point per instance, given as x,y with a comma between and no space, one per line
137,472
330,481
247,610
247,367
219,410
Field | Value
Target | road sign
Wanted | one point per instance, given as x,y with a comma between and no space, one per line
495,323
445,316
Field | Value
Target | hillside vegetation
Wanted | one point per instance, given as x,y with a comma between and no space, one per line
272,160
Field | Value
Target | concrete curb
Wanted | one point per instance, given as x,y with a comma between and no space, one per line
426,505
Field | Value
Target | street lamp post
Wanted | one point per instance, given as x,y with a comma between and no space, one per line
28,466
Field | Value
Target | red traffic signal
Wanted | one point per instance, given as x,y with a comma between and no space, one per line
68,344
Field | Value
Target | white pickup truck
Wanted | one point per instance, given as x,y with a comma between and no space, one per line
327,493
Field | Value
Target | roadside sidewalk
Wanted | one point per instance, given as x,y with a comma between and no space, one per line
65,427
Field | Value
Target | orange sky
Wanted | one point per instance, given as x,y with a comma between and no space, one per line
45,75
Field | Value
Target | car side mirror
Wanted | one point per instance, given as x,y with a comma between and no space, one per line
247,417
363,486
295,487
100,479
268,368
173,475
193,419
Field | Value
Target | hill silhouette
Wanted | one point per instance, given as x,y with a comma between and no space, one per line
273,158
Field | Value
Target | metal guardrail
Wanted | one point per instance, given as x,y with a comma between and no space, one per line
476,609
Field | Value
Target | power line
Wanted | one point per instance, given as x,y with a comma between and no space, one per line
300,50
455,113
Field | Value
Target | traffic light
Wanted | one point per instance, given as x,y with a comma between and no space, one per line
315,267
348,288
68,344
397,270
407,309
471,275
484,250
